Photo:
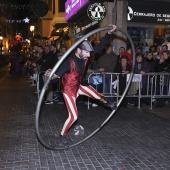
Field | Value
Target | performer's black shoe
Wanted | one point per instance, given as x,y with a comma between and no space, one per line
63,141
111,105
103,99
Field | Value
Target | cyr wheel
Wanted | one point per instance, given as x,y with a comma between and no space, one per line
37,114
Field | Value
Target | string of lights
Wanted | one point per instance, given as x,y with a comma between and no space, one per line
26,20
4,6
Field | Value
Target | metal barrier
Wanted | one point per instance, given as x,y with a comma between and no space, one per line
157,85
149,85
58,84
38,83
160,86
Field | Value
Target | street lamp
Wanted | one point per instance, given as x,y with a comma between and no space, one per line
1,40
32,28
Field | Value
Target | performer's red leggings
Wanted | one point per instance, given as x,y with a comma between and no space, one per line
71,105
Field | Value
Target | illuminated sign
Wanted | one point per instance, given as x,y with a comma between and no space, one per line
147,15
72,6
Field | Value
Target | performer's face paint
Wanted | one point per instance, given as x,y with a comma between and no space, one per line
84,54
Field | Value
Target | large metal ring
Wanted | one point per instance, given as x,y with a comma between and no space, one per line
37,116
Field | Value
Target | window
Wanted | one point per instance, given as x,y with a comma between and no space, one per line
61,5
54,7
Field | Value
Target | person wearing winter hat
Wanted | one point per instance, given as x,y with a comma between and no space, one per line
71,73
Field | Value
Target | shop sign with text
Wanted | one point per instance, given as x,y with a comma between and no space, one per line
79,29
147,15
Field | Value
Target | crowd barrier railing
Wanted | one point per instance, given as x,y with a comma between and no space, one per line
41,73
148,85
38,82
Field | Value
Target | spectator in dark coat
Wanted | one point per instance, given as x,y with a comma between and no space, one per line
47,63
162,65
150,60
121,50
142,67
108,61
124,68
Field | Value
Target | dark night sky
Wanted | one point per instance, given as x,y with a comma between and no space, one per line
10,12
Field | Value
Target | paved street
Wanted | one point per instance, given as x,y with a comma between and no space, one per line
134,139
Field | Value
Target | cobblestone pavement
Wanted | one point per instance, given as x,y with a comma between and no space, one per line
134,139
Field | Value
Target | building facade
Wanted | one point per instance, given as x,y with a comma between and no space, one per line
147,22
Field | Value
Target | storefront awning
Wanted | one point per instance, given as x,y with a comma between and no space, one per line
55,33
60,25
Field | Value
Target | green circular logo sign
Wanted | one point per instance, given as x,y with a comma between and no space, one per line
96,11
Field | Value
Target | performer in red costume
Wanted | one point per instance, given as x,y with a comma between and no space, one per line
71,73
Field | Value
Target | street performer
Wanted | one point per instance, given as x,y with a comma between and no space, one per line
71,73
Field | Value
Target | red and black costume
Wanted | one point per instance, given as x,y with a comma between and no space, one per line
72,74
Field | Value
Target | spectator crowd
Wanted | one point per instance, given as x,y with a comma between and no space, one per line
155,60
